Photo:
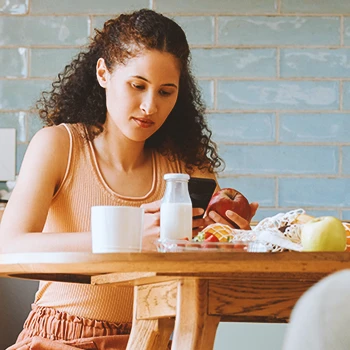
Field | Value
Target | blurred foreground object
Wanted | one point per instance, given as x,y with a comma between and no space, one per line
321,317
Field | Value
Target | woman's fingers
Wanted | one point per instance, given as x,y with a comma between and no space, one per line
197,218
148,241
152,207
234,217
152,219
253,208
151,227
155,218
242,223
215,217
151,231
196,230
198,223
197,212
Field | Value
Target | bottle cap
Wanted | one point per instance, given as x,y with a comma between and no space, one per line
176,176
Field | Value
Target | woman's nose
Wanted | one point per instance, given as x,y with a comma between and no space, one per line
149,105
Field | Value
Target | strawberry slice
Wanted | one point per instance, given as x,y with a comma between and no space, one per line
211,238
206,235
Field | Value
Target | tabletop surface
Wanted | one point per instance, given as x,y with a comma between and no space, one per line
170,263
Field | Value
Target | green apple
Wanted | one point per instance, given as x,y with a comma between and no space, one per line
325,233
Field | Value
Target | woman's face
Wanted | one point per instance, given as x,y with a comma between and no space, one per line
140,94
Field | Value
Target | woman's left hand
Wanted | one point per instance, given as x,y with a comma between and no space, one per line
242,223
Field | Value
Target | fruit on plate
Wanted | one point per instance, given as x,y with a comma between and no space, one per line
325,233
221,232
230,199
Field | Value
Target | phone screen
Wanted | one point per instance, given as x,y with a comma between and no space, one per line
201,191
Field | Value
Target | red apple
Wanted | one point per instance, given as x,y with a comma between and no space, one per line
230,199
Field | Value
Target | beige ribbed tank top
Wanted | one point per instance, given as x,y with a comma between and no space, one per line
82,187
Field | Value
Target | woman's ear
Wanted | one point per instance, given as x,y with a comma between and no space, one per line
102,73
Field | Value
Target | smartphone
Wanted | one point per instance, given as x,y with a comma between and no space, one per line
201,191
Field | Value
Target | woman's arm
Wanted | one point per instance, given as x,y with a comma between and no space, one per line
41,174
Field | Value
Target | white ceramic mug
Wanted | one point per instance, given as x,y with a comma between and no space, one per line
116,229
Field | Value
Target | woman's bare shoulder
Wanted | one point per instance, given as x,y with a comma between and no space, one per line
50,141
42,170
49,150
52,135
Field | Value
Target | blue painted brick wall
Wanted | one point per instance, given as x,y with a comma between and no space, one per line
275,76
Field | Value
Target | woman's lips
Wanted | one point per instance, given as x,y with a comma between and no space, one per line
143,122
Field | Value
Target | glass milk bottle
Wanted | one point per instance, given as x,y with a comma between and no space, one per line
176,208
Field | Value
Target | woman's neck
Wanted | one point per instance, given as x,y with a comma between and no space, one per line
115,150
125,165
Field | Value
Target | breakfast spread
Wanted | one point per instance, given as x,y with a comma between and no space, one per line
291,231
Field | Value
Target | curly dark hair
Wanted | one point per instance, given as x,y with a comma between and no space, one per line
77,97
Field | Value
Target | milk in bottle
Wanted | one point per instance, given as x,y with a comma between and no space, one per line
176,208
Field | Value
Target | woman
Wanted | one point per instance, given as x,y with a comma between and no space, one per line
121,115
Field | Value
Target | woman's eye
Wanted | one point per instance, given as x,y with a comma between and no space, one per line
138,87
164,93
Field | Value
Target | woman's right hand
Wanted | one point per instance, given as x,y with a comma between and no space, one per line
151,225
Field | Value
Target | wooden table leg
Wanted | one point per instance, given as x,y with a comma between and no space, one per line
149,334
194,328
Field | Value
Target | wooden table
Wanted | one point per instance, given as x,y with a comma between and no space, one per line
191,291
